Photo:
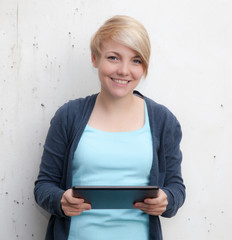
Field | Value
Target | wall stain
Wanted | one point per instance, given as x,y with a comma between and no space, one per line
34,90
15,201
35,45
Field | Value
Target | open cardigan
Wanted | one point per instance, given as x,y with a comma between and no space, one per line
65,131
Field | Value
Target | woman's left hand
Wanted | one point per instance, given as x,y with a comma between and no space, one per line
154,206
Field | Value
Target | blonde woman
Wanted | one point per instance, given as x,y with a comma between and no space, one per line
116,137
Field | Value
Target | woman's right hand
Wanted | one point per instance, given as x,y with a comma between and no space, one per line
72,206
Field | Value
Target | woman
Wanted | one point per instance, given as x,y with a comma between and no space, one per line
116,137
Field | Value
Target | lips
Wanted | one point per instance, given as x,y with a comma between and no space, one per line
120,81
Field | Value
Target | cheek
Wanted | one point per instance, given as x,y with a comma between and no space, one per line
103,74
139,73
106,69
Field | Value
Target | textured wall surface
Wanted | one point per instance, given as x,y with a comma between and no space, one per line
45,61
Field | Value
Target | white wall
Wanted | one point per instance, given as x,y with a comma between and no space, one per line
45,61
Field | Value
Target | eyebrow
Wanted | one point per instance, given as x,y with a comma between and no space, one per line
116,53
112,52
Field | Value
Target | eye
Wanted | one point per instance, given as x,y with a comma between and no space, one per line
113,58
137,61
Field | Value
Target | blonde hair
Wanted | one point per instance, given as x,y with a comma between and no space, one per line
126,31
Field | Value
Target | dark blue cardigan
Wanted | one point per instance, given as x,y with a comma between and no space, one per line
66,128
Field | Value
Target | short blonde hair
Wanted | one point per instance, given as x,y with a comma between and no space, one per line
126,31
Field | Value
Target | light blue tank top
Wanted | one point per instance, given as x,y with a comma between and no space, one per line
112,159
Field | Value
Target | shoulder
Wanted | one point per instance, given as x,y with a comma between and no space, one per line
164,124
158,111
74,109
77,105
72,115
162,121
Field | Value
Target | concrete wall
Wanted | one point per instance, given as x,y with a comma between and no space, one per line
45,61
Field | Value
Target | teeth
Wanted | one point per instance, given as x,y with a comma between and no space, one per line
120,81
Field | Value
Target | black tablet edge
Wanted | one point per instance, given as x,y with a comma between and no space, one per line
115,188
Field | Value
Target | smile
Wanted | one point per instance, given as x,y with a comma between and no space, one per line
120,81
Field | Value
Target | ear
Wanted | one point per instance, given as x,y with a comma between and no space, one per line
94,60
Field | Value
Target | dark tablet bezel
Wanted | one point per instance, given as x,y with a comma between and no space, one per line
114,197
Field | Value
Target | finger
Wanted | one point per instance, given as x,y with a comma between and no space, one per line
150,207
71,213
153,201
151,211
156,201
74,210
83,206
68,198
142,206
161,199
155,213
77,210
75,201
76,206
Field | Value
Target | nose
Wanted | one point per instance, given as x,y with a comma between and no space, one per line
123,69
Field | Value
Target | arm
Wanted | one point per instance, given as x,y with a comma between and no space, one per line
47,191
173,183
172,195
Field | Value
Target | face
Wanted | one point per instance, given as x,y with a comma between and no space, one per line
119,68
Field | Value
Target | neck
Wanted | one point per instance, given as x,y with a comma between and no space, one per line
116,104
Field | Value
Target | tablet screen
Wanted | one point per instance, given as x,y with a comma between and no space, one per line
114,197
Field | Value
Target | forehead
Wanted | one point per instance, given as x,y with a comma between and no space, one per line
111,46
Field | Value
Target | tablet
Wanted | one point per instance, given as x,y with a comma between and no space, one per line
114,197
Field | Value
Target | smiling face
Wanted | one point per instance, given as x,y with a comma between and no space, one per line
119,68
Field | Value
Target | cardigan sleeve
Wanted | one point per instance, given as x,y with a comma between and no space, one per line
173,182
47,191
